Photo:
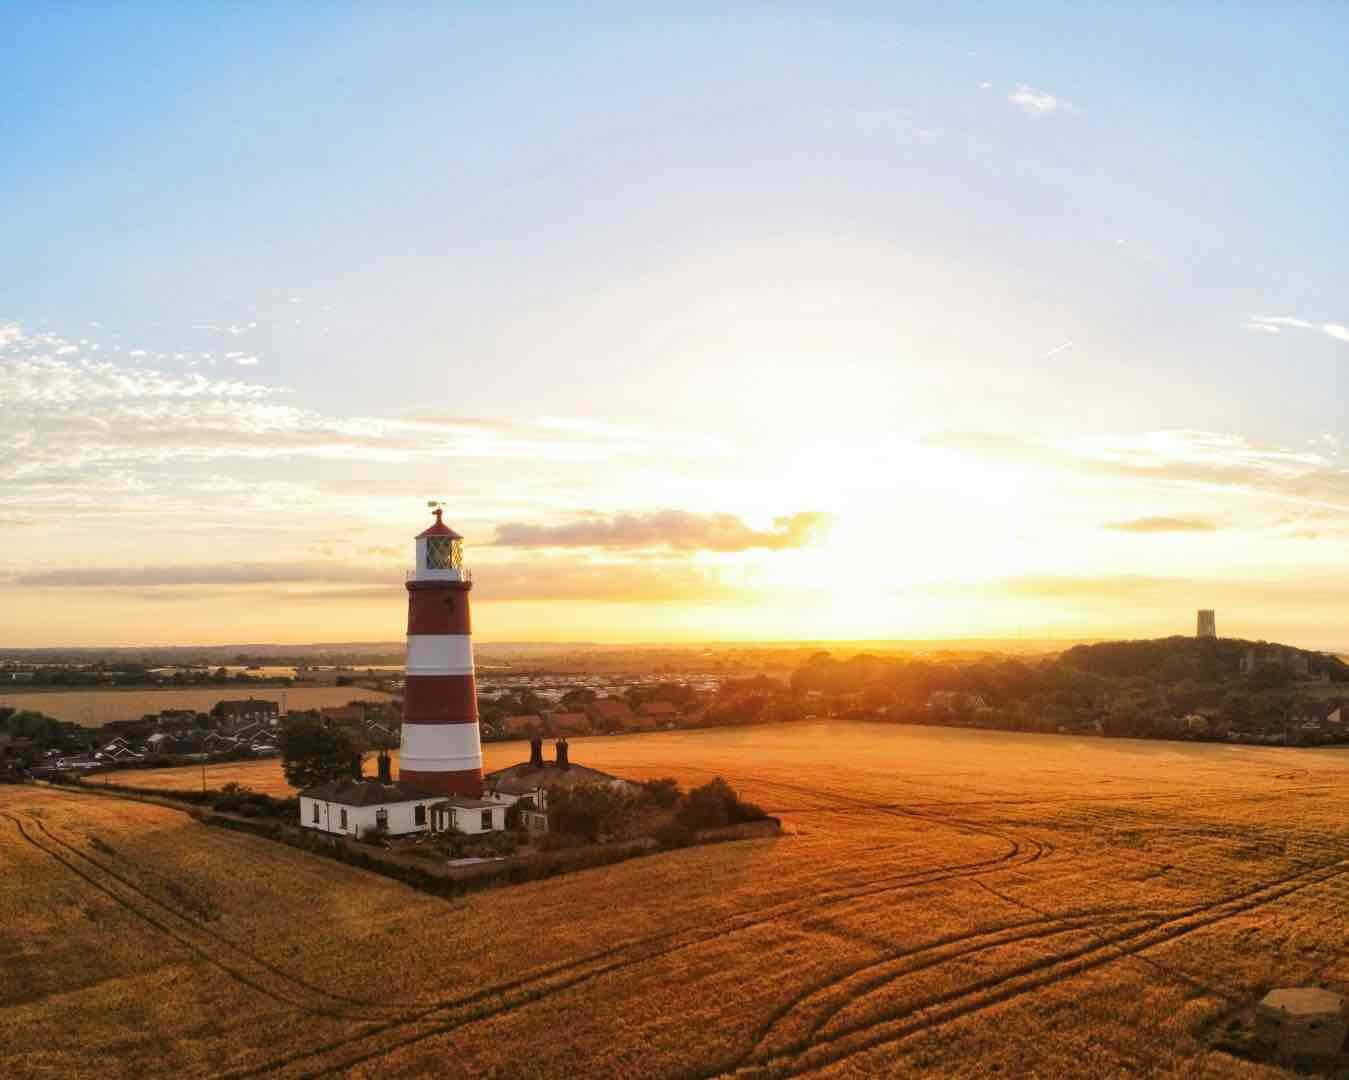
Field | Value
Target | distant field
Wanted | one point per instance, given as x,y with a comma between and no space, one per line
92,708
944,903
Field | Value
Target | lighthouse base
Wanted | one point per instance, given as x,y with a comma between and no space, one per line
466,782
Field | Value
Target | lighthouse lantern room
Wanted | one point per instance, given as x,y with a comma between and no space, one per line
441,750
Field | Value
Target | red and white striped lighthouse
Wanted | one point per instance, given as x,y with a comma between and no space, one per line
441,749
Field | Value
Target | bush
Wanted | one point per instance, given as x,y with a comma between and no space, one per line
662,793
715,805
590,811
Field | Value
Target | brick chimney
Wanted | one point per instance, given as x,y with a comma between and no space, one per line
385,767
562,760
536,752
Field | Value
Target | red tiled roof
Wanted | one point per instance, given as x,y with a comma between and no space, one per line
612,709
569,721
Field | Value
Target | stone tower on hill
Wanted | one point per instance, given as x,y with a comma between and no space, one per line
1208,624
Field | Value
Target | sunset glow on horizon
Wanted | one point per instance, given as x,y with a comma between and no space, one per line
870,328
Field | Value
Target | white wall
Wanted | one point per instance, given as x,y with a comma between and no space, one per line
470,821
402,817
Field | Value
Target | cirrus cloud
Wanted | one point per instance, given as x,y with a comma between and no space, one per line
675,529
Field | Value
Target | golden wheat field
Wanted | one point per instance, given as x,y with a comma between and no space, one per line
944,903
92,708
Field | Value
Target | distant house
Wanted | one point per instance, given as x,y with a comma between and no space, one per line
235,714
216,743
569,723
349,715
654,714
951,700
160,744
610,713
522,724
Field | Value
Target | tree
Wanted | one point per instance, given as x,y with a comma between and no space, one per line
577,700
312,751
590,811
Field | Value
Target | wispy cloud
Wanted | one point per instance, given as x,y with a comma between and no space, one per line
674,529
1274,324
1056,350
1163,525
1039,102
528,581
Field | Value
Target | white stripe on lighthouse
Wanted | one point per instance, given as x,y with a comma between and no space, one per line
440,748
440,654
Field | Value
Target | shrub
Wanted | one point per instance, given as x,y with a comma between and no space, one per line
662,793
714,805
590,811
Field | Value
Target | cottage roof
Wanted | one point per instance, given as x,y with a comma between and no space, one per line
463,802
525,778
352,792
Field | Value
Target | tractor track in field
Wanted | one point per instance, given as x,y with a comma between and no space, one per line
251,981
896,1025
815,1001
567,975
200,926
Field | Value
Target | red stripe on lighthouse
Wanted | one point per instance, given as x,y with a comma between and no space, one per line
440,699
437,608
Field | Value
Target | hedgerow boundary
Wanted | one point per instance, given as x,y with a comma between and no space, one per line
445,883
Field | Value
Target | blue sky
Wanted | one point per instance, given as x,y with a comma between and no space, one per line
759,235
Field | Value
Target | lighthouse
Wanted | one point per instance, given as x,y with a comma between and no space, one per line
441,750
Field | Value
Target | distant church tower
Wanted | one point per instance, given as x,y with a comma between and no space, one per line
1208,624
441,748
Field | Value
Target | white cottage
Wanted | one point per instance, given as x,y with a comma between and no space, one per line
468,816
355,807
531,780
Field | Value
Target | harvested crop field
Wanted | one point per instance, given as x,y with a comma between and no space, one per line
93,708
945,903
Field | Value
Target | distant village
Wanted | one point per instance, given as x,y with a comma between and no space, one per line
1202,688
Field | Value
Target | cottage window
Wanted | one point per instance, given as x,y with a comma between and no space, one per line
316,812
344,817
419,815
487,820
